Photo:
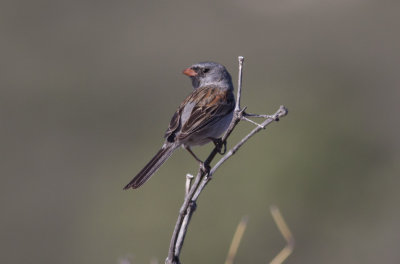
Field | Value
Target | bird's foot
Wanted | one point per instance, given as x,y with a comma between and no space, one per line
219,144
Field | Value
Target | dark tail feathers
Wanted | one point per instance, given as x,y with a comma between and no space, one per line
144,175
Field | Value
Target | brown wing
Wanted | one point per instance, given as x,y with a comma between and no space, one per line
175,123
174,126
203,106
211,105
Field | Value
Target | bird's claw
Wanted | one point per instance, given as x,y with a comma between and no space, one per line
219,144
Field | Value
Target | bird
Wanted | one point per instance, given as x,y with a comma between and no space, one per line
202,117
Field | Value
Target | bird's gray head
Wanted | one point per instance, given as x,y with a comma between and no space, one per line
209,73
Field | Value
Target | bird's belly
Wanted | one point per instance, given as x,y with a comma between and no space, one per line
209,132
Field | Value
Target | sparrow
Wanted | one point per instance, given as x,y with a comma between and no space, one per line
201,118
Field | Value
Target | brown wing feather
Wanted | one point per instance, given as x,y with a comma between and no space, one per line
174,125
213,105
210,105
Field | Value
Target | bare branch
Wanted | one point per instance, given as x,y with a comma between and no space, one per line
280,113
181,236
287,235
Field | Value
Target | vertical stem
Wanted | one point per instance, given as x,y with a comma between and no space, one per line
237,107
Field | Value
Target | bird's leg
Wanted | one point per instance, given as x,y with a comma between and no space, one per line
218,144
194,155
204,167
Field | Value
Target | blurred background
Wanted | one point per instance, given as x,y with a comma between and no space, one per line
88,89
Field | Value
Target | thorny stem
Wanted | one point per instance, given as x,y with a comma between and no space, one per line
189,204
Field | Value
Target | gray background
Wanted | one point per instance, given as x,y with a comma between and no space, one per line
88,89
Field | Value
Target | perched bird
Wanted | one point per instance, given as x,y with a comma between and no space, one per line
202,117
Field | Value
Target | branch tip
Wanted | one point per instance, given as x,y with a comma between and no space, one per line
283,110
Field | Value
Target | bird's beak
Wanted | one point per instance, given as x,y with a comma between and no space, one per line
189,72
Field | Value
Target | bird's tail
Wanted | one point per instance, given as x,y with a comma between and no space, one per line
144,175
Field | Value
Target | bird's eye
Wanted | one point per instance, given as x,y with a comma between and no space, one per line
205,70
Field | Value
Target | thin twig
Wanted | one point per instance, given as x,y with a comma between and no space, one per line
251,121
282,111
257,115
189,204
241,60
287,235
237,237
